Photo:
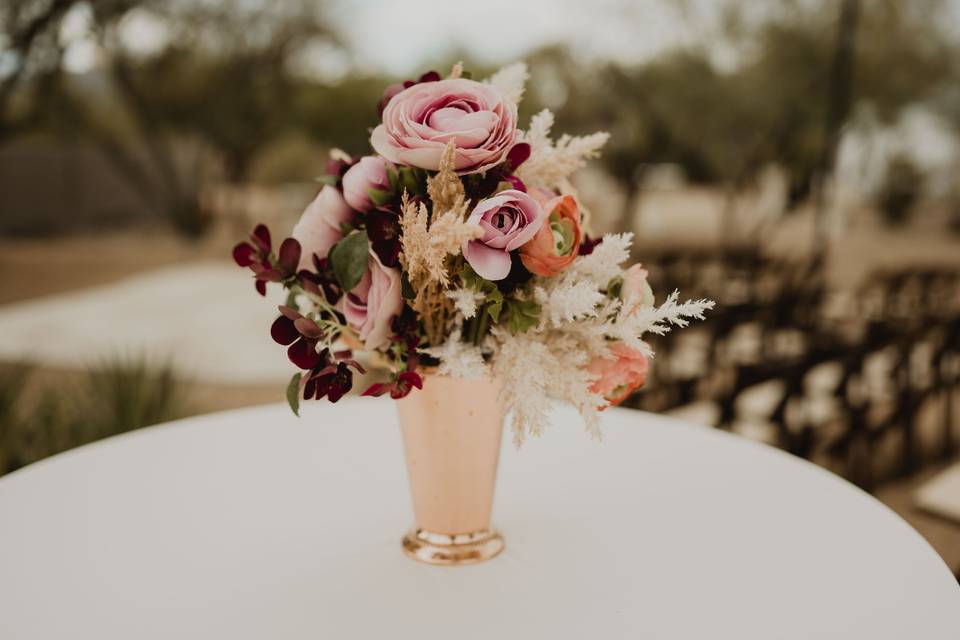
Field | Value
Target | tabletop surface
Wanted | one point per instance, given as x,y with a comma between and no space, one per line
254,524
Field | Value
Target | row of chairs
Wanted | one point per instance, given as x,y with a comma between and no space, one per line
862,382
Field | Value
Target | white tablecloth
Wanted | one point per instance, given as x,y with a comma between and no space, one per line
253,524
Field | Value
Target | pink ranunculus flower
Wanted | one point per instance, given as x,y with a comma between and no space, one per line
620,374
509,220
369,173
419,121
371,305
319,227
636,290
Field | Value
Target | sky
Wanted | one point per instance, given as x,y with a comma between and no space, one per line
401,36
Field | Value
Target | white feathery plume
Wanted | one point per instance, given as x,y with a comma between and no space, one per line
458,358
551,163
603,264
466,301
511,81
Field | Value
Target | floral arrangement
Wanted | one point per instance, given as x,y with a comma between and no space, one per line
461,246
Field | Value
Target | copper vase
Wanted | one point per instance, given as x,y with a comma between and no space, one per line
451,437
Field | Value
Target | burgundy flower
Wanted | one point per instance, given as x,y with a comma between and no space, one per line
383,229
399,387
321,281
333,380
517,155
406,330
300,334
258,257
589,244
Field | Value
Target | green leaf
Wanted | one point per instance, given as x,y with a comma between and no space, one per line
413,180
615,287
467,75
495,304
328,180
470,277
293,394
379,197
349,259
394,179
522,314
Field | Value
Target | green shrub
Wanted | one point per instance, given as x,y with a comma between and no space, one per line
38,420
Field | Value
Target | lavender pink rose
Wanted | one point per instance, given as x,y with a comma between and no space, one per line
319,227
509,220
419,121
371,305
369,173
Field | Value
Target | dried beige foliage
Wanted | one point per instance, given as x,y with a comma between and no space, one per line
430,241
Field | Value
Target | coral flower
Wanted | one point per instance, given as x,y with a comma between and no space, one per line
557,243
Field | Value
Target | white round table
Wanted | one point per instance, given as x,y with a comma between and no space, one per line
253,524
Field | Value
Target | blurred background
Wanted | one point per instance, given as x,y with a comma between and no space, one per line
797,161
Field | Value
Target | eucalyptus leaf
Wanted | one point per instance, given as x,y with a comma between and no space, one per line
348,258
293,394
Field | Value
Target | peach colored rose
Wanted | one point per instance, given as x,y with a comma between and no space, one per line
636,290
620,374
319,227
419,121
557,242
371,305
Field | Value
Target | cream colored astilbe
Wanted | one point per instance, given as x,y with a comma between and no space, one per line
466,301
567,298
456,71
578,321
458,358
533,367
603,264
511,81
551,163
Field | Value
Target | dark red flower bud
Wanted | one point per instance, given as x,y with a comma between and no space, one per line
261,238
377,389
283,331
405,383
289,256
383,229
518,154
244,254
303,353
